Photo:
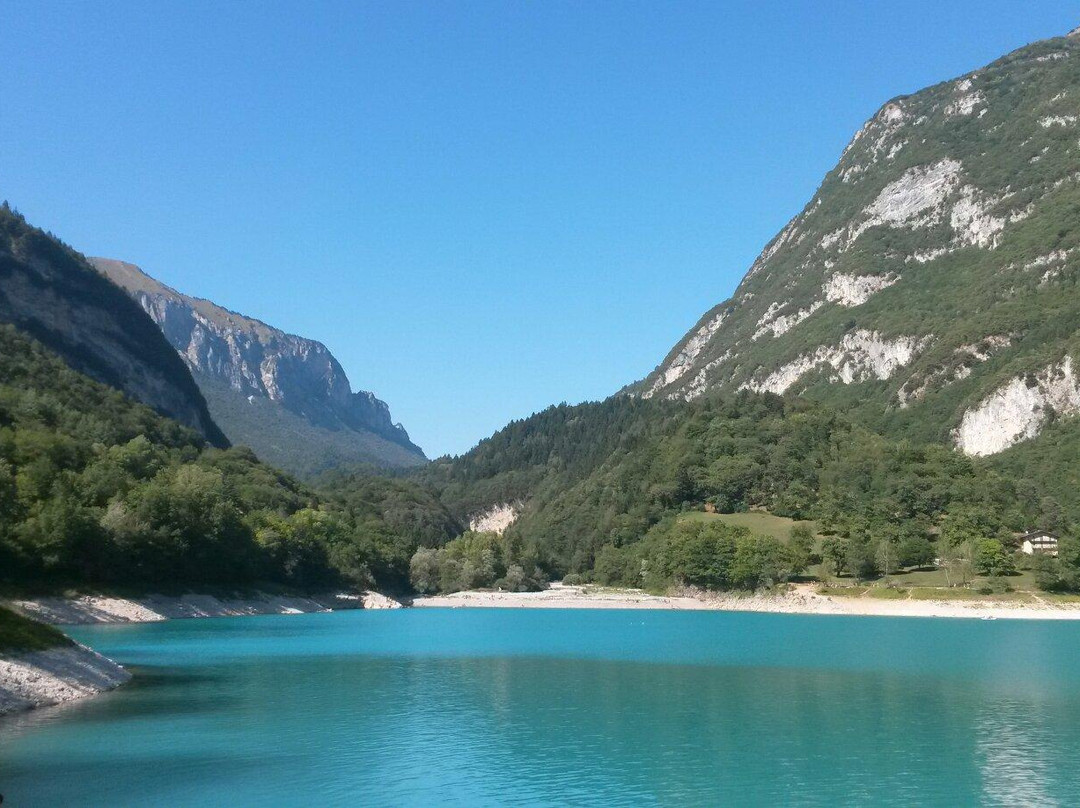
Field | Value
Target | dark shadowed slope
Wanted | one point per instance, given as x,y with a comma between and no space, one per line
50,292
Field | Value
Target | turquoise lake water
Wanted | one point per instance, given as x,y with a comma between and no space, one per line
554,707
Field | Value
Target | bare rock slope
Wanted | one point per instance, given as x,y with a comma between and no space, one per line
285,396
55,675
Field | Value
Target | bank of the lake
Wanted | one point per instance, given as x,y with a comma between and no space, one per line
30,679
40,666
795,599
87,609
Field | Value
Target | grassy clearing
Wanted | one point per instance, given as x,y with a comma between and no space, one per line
936,593
1059,597
960,593
843,591
920,577
18,633
779,527
887,593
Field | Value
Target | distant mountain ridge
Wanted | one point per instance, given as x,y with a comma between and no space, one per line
50,292
930,285
285,396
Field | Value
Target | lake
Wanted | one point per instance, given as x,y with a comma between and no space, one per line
553,707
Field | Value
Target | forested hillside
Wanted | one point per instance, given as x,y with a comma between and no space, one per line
597,489
96,489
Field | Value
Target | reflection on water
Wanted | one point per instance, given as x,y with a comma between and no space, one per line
1018,743
550,708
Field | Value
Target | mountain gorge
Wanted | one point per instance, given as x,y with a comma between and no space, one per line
899,366
285,396
929,287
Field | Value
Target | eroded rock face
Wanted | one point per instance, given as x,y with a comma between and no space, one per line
854,290
254,361
949,212
495,519
1019,409
685,358
859,356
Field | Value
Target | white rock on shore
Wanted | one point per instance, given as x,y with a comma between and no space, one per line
102,609
64,673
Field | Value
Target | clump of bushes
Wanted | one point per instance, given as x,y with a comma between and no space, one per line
475,561
709,555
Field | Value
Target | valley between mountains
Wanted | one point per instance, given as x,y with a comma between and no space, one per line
884,409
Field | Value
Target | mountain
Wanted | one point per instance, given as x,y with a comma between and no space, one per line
929,287
285,396
49,291
899,365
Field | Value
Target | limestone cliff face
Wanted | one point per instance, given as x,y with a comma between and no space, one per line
49,291
931,283
263,384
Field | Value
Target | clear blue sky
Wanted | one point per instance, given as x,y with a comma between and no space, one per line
482,207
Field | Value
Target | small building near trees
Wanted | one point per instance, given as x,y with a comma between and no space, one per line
1039,542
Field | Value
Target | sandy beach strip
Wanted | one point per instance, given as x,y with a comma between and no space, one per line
796,599
799,599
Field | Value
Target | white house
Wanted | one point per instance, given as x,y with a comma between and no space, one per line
1039,541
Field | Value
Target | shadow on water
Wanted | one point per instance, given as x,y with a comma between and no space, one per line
167,778
162,691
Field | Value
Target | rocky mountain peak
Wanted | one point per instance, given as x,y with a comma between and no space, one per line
935,262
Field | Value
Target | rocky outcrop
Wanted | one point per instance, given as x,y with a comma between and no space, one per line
859,356
684,360
50,292
55,675
854,290
276,392
1019,409
495,519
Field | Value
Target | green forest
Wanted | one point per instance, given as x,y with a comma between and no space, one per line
602,486
98,490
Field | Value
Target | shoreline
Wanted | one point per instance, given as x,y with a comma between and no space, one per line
72,671
802,598
65,673
92,609
799,599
